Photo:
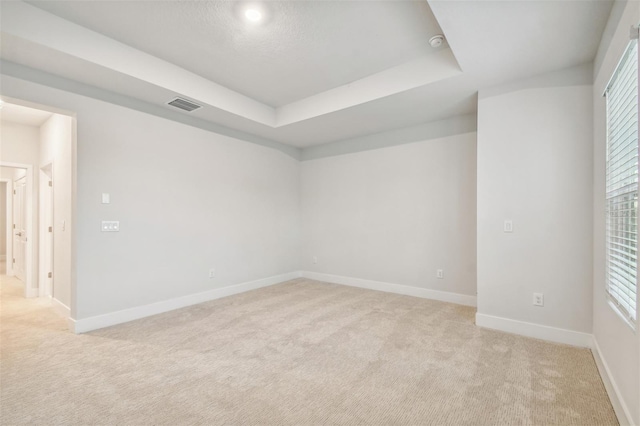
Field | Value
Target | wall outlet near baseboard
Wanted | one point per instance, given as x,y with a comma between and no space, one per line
212,273
439,273
538,299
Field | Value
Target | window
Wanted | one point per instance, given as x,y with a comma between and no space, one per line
622,185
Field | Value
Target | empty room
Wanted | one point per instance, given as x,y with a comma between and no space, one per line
319,212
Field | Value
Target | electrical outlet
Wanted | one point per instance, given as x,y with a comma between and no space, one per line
107,225
212,273
315,260
508,226
538,299
440,273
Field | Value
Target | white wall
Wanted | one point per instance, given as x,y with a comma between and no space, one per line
20,143
56,140
619,345
394,215
535,168
7,173
187,200
3,219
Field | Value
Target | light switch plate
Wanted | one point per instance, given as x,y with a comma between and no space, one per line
106,199
508,226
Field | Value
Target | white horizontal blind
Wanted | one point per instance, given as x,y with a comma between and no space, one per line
622,184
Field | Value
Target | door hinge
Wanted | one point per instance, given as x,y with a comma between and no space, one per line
50,183
14,192
50,275
51,229
14,260
14,226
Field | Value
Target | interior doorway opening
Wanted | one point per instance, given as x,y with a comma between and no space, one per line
18,217
37,165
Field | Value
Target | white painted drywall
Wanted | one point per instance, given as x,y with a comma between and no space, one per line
38,26
619,345
187,200
3,219
409,75
7,173
56,148
535,169
19,143
394,215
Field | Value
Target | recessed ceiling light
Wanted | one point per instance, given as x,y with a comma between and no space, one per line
253,15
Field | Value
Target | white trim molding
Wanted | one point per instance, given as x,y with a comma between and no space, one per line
9,214
60,308
537,331
620,408
84,325
424,293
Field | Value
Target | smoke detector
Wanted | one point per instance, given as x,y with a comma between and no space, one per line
436,41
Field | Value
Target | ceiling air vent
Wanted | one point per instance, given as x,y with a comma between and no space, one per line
184,104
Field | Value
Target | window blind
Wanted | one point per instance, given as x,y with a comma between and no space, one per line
622,185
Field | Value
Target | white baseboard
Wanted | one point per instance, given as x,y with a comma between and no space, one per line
537,331
621,409
84,325
60,308
71,323
460,299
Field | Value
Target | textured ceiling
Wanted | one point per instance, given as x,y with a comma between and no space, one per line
375,51
498,40
303,47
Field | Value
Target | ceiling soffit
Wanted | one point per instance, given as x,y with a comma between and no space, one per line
40,28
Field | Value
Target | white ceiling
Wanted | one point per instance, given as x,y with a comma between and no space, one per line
23,115
315,71
305,47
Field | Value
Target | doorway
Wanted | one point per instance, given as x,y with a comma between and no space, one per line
40,142
18,213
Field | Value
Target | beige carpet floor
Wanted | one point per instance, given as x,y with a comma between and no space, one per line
298,353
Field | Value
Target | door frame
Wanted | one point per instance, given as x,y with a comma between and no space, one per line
71,226
46,251
19,234
9,232
30,288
